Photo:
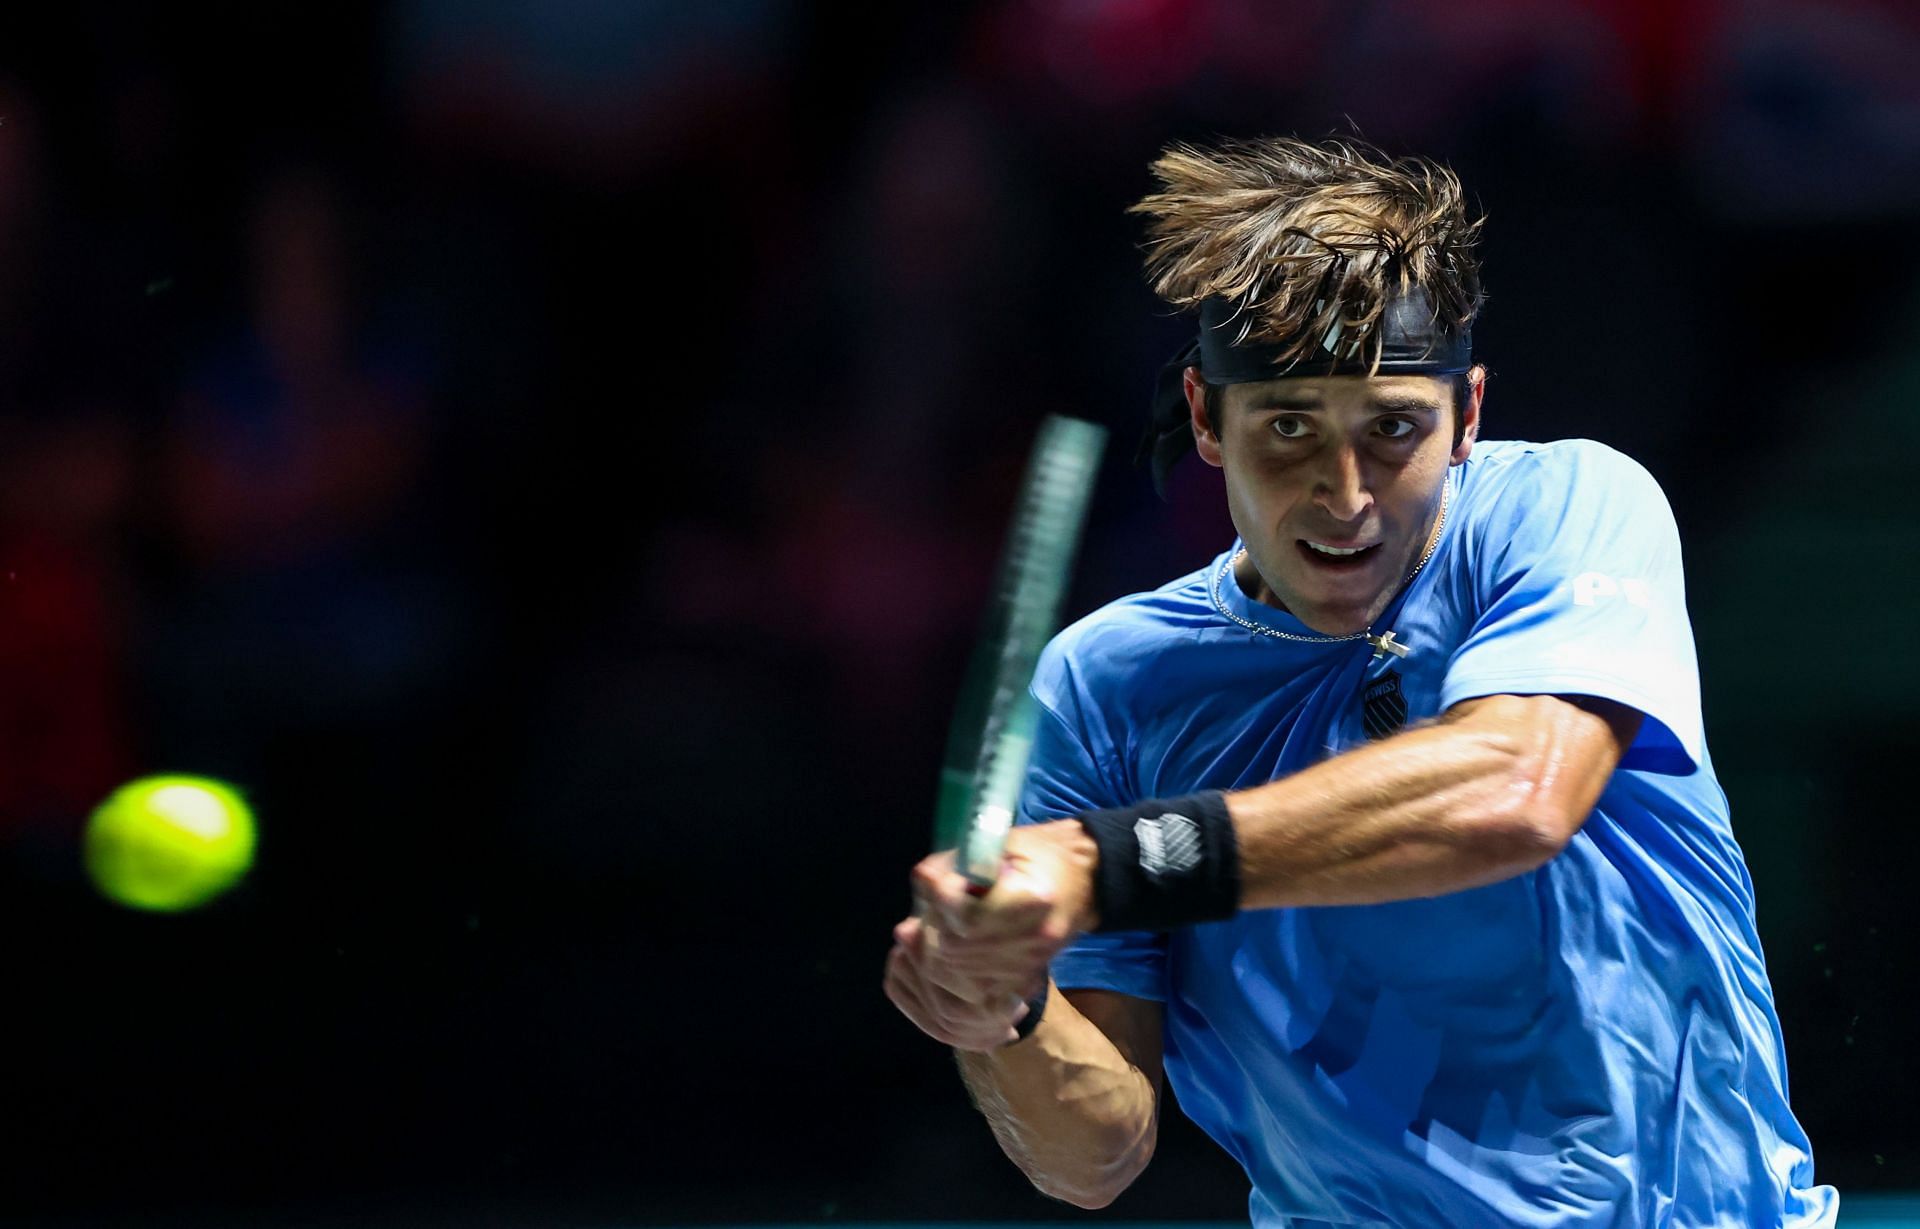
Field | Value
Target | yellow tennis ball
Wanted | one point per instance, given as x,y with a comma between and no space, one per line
169,843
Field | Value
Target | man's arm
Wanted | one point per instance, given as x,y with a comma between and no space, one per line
1495,788
1498,786
1076,1105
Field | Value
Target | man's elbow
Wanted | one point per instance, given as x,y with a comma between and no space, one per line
1558,758
1530,824
1089,1195
1529,839
1527,825
1093,1187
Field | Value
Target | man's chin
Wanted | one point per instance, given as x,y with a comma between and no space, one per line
1336,603
1334,624
1331,618
1334,614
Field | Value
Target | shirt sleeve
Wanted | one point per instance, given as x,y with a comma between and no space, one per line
1575,569
1064,777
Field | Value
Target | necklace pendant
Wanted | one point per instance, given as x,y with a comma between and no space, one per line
1383,645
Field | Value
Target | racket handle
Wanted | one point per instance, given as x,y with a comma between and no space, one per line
983,845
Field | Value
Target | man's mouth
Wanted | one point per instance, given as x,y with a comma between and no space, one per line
1337,558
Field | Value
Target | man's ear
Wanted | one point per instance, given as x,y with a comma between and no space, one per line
1205,442
1470,413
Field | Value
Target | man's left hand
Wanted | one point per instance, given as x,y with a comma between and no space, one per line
1001,943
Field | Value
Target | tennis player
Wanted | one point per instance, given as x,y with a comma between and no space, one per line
1389,837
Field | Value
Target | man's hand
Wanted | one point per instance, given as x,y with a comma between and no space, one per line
940,1013
962,967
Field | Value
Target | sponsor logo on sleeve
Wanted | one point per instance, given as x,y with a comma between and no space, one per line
1589,588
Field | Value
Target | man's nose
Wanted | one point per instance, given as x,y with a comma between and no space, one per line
1342,487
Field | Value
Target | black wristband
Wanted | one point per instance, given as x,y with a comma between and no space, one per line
1036,1007
1165,864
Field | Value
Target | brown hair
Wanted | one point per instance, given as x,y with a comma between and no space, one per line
1300,236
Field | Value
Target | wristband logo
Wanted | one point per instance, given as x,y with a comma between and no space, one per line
1169,844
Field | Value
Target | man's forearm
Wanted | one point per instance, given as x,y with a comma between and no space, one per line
1067,1107
1495,790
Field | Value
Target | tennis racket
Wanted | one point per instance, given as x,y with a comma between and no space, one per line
993,726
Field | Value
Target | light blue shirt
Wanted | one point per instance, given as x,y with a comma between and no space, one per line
1592,1043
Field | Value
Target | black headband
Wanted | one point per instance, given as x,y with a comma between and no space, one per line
1412,342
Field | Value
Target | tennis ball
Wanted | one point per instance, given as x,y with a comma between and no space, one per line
169,843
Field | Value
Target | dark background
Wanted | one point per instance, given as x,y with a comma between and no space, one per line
552,456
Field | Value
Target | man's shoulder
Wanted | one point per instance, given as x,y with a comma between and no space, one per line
1521,477
1117,641
1511,460
1140,622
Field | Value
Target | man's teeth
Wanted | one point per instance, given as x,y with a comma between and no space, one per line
1334,550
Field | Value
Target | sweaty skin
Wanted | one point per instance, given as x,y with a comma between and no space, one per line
1494,788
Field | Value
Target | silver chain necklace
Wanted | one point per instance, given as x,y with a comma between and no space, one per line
1381,644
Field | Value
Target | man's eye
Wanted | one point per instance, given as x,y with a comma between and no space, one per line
1396,428
1290,428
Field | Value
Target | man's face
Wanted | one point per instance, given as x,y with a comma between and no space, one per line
1334,484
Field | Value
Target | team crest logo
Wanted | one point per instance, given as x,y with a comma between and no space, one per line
1384,707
